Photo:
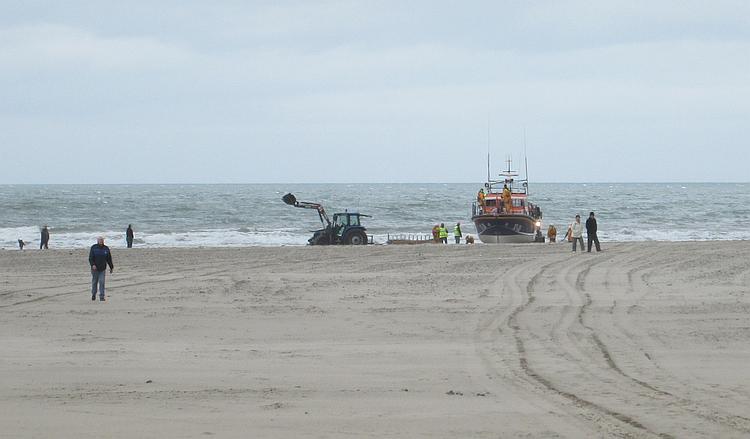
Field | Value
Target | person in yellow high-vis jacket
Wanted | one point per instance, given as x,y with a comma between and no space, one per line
457,233
443,233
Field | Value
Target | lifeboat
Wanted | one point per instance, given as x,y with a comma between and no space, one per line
503,212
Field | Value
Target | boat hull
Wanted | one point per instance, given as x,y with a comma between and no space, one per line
500,229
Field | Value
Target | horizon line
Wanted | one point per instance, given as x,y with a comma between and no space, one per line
366,182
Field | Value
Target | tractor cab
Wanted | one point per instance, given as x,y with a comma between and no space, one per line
348,228
347,219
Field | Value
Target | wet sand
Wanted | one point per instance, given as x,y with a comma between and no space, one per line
641,340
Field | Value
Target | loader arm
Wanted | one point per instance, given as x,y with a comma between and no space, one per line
292,201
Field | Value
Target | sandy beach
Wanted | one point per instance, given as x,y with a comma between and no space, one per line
645,339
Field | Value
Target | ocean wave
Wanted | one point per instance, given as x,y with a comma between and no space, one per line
236,238
254,215
200,238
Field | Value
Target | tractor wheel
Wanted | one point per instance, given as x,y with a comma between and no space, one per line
357,237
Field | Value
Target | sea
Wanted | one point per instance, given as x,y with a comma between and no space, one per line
237,215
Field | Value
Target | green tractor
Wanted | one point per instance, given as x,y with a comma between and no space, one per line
345,228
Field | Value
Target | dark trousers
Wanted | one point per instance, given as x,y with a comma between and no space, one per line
130,242
458,239
575,240
593,238
43,244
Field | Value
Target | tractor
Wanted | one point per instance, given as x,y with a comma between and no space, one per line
345,228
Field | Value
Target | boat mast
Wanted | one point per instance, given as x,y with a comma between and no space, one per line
525,160
488,149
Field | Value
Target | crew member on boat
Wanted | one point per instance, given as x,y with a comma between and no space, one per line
506,198
480,197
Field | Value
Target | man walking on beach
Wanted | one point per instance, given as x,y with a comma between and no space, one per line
591,233
129,236
43,243
457,233
576,231
99,258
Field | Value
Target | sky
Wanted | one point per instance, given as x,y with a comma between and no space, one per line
373,91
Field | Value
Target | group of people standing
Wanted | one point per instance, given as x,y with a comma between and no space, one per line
505,197
44,239
440,233
99,258
575,233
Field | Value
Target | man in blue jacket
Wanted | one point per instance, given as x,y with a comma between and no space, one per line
99,258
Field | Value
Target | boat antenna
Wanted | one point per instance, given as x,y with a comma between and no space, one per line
525,160
488,149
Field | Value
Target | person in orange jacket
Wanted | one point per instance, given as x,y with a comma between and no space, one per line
507,198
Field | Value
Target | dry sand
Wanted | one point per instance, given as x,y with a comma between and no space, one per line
641,340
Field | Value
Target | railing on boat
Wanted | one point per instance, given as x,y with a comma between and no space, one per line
534,212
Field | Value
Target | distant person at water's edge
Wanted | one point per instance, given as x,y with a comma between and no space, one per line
129,236
591,232
443,233
436,233
457,233
21,243
99,258
552,234
576,231
44,241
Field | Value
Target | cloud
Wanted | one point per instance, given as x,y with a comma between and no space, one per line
207,83
58,47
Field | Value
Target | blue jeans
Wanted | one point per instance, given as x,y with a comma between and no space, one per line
97,278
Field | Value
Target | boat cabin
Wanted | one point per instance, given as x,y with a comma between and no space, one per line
493,203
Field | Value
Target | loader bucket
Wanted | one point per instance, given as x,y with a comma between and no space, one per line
289,199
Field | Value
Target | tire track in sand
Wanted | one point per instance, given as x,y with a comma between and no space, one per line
601,418
579,363
637,282
496,350
665,398
168,277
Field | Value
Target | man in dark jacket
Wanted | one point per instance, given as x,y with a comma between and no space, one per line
44,241
129,236
591,232
99,258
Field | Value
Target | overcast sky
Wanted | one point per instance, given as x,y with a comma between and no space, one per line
372,91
